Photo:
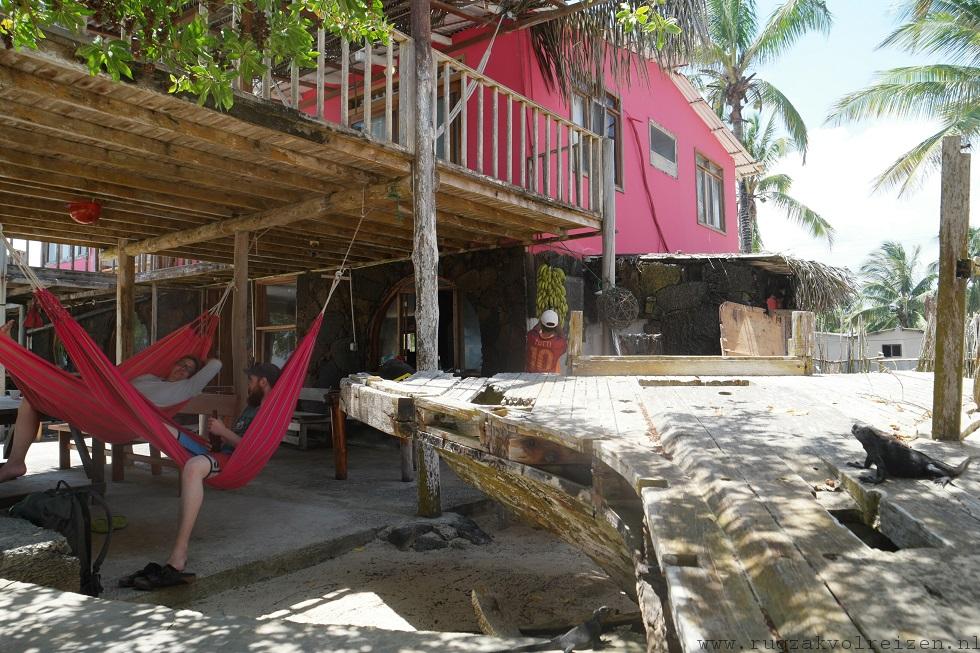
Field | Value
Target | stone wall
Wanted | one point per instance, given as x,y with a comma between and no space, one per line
36,555
492,282
681,301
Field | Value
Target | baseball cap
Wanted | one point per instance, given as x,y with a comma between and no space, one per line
269,371
549,318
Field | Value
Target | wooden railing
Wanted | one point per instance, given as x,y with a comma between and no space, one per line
481,125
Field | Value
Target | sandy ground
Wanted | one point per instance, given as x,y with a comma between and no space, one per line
536,577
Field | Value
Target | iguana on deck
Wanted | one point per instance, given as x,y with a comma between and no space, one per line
892,457
581,637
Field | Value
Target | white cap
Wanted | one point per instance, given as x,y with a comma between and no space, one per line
549,319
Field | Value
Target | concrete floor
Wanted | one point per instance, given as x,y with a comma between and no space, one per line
293,515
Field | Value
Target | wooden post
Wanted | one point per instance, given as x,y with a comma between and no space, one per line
608,195
125,305
408,468
574,339
154,311
430,496
239,319
425,255
3,303
338,433
954,223
406,91
803,339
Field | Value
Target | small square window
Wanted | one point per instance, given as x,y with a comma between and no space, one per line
663,149
891,351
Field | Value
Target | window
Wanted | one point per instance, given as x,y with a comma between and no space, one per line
710,184
891,351
663,149
275,320
605,117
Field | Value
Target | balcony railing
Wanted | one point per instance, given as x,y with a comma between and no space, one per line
481,125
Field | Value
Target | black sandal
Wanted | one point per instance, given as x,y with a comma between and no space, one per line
130,580
167,577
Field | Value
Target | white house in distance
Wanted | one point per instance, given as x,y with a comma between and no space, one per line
898,343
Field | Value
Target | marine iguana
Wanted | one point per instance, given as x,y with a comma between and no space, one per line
581,637
892,457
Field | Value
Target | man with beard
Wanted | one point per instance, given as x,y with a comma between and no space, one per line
261,378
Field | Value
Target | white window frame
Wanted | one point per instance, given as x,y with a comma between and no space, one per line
657,160
702,202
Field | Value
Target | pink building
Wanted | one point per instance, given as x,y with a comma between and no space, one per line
676,162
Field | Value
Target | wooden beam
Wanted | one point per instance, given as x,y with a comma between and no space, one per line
310,209
687,366
125,307
954,224
240,326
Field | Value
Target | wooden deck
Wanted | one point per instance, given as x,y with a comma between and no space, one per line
160,165
751,515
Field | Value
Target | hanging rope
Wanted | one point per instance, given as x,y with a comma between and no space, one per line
19,261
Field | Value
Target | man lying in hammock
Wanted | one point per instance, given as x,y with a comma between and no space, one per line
186,379
261,378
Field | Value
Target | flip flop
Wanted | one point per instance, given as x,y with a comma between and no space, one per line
168,577
99,524
130,580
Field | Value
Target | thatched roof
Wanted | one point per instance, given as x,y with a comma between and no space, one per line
817,287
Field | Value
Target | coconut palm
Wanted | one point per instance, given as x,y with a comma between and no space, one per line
727,69
892,294
765,148
973,285
948,92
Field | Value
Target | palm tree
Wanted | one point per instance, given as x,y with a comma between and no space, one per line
948,92
891,295
973,285
764,187
727,69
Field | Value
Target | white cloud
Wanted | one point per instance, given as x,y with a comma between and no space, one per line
836,182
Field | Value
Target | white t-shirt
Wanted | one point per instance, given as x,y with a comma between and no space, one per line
170,393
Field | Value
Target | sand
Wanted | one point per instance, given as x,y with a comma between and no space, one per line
536,577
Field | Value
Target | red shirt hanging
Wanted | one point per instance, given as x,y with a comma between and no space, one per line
544,353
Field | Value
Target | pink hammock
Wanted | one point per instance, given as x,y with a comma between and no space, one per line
103,403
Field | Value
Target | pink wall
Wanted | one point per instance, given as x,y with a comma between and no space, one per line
673,199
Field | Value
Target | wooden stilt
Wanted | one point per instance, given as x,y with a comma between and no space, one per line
425,255
429,490
338,432
239,319
125,306
408,467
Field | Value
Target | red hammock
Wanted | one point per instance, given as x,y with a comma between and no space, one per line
103,403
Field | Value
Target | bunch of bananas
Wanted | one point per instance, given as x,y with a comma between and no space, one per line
551,291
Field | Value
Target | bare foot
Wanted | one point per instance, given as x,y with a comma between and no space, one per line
11,470
5,329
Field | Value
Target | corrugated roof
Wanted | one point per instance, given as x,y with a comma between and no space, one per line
745,165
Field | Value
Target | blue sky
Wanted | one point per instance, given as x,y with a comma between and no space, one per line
843,160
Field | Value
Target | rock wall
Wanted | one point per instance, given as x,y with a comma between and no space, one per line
36,555
491,282
680,301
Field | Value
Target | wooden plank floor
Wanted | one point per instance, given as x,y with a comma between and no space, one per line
742,482
763,450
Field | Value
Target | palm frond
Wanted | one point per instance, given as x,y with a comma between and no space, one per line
780,105
786,25
774,183
804,216
939,34
576,50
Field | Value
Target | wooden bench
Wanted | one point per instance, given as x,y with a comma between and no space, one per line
297,433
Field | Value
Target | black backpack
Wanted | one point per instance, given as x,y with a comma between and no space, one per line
65,509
